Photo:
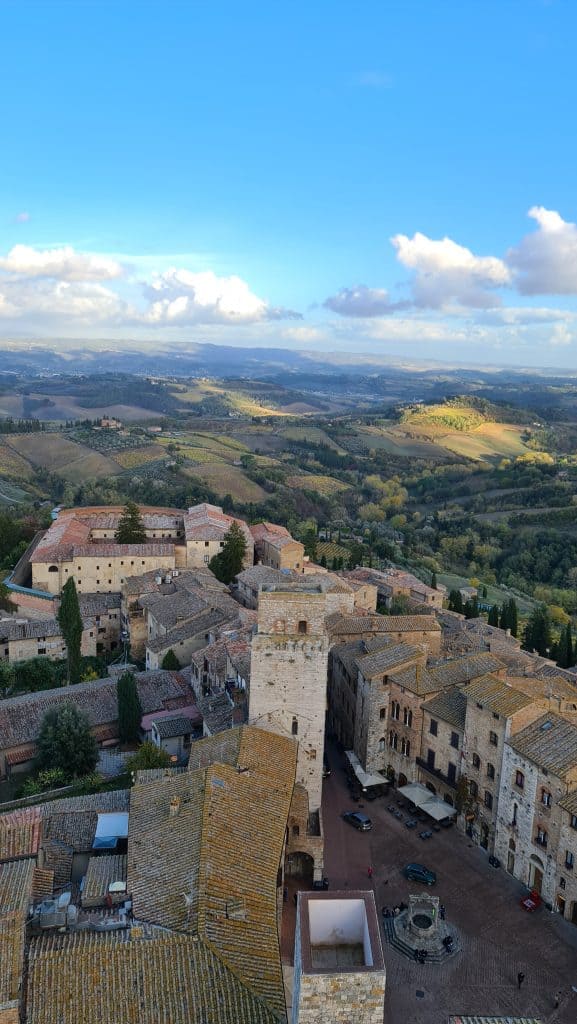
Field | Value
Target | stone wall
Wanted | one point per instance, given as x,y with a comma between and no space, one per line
288,678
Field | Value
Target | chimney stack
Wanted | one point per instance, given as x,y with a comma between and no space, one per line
174,806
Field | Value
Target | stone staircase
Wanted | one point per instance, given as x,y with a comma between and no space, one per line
407,950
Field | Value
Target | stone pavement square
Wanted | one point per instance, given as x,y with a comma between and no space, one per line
498,938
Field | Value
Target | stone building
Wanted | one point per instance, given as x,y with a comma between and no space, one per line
274,546
442,743
539,771
495,711
565,872
288,675
340,972
402,629
81,543
398,583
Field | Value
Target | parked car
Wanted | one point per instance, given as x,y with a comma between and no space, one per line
419,873
447,822
358,820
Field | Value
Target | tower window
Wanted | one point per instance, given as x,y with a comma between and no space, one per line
302,626
295,727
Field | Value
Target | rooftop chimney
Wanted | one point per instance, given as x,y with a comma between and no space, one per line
174,806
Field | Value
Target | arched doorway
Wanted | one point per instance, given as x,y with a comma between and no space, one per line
484,840
574,913
511,857
402,780
536,871
431,788
300,866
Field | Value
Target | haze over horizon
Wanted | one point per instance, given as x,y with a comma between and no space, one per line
394,180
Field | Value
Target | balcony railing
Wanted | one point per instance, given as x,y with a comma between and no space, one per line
436,773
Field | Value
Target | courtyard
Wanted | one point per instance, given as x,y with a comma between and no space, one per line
498,938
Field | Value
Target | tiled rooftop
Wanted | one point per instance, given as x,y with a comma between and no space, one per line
550,743
337,623
16,881
211,868
386,659
450,706
137,977
496,695
101,871
28,630
20,833
21,717
205,622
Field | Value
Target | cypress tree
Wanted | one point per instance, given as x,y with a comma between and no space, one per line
513,617
130,526
129,709
493,618
434,581
565,648
228,563
455,601
170,661
537,635
70,622
504,617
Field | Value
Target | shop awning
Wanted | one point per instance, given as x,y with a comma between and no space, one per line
427,801
365,778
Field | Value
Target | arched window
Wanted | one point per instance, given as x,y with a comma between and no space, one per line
52,568
302,627
393,740
408,717
476,761
519,780
296,830
405,747
490,770
382,743
295,727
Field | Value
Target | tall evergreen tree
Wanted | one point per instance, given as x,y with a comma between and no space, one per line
130,526
70,622
228,563
504,616
129,709
66,742
537,635
434,581
565,647
456,601
513,617
493,617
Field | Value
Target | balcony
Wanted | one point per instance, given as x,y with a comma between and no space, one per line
436,773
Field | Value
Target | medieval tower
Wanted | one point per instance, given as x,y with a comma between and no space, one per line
288,675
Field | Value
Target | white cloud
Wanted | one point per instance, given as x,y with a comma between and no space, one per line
545,261
49,300
64,264
180,297
362,302
374,79
447,272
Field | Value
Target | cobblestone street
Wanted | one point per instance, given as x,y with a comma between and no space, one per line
499,939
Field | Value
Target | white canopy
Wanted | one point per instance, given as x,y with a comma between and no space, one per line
427,801
364,777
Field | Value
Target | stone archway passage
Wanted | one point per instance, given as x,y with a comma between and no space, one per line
300,866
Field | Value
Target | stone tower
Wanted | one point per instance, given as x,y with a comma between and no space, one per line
288,675
339,974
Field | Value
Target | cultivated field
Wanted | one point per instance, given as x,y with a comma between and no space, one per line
67,458
224,479
325,485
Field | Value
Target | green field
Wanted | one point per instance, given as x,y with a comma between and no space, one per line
224,479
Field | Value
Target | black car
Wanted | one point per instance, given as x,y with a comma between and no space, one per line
358,820
419,873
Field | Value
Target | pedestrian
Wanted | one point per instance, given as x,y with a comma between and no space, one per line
295,898
370,872
520,978
556,1000
442,911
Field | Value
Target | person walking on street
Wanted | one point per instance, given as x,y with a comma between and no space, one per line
370,872
556,1000
520,978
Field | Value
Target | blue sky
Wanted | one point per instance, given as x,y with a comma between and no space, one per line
373,176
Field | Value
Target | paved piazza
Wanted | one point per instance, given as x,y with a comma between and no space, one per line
499,939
